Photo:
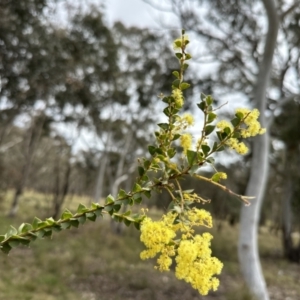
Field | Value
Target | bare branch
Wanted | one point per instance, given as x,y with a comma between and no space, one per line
289,10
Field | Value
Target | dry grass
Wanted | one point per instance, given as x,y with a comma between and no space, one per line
91,263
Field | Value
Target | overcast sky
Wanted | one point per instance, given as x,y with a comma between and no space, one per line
131,12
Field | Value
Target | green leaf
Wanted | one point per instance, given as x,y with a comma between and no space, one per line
188,56
165,99
184,86
164,126
235,122
48,234
209,100
74,222
127,213
211,117
147,164
202,105
98,212
209,129
82,219
24,241
81,209
219,135
176,74
14,243
178,55
176,83
210,160
25,227
32,236
40,234
116,207
178,43
66,215
236,135
216,177
65,225
91,216
2,238
176,136
145,178
193,169
227,130
215,146
191,157
43,224
122,194
137,198
12,231
167,112
5,248
239,115
152,150
107,208
137,188
141,171
185,66
137,225
109,199
202,97
96,205
50,221
127,222
205,149
171,152
147,194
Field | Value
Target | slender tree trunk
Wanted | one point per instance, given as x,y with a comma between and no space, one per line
247,246
287,217
34,136
59,197
101,171
290,250
119,178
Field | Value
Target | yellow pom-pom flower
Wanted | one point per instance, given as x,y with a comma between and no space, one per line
186,142
194,262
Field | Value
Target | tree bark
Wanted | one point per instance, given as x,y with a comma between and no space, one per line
34,137
101,171
59,197
247,245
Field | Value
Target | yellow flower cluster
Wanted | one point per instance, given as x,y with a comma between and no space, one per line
178,96
233,143
186,142
194,263
222,175
253,127
188,119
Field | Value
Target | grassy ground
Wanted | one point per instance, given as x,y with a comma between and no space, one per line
91,263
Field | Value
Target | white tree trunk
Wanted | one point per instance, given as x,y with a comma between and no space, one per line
247,246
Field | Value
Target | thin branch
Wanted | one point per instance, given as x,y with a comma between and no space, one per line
289,10
244,199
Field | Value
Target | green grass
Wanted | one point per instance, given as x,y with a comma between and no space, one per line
93,263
